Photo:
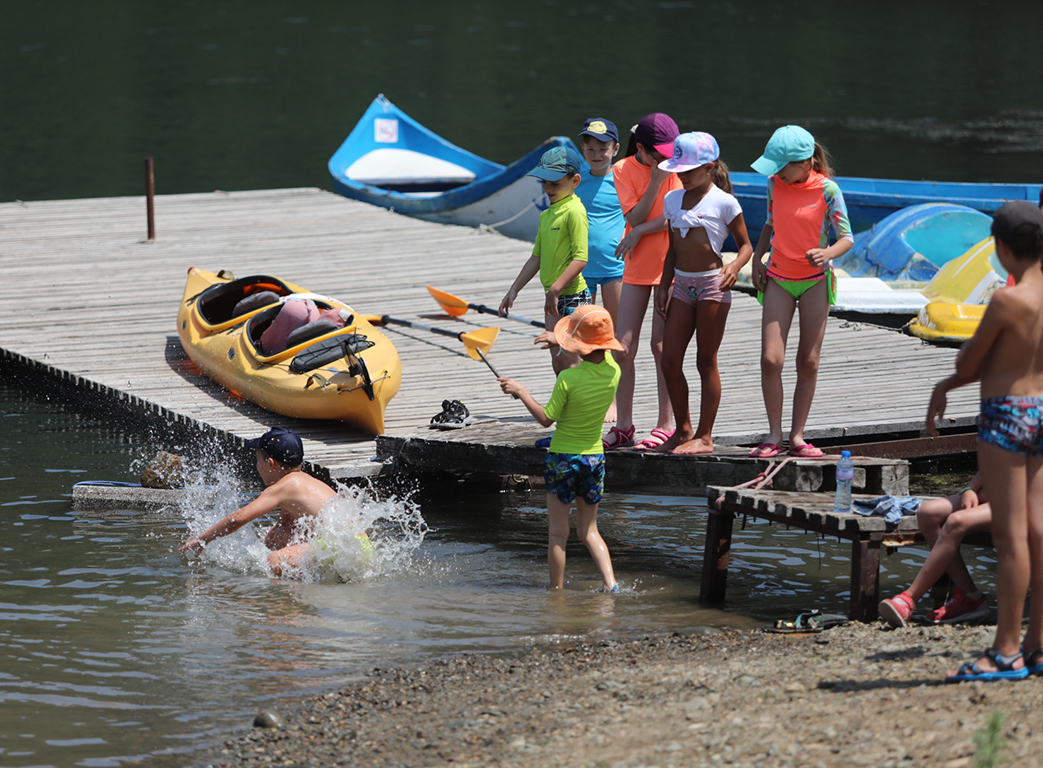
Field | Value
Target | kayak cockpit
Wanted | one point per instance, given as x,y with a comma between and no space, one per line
224,304
405,170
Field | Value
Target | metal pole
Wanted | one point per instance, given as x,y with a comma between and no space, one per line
150,193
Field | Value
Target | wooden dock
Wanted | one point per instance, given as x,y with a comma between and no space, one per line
811,512
89,303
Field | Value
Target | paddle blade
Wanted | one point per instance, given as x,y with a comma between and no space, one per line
452,305
482,339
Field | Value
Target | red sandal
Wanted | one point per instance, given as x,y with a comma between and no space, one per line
618,438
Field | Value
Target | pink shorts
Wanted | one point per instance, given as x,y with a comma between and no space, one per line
691,287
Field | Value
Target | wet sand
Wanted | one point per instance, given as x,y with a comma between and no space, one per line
856,695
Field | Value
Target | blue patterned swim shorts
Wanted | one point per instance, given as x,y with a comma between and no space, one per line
1014,424
569,475
570,302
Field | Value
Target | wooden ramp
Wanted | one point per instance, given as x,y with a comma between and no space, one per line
87,301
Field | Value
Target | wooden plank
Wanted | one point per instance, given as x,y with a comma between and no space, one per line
86,297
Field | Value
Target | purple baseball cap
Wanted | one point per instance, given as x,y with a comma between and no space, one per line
657,130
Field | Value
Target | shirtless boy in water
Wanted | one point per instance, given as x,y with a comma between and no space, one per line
296,494
1006,353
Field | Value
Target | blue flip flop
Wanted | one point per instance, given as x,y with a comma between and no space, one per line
1004,669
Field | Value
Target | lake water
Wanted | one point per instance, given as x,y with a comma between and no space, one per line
115,648
258,94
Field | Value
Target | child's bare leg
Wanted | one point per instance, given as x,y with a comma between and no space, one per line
587,530
632,309
814,311
932,516
557,537
664,420
709,332
610,298
775,324
680,326
1004,475
291,561
560,360
1034,633
945,552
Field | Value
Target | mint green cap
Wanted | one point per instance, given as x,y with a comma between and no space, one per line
788,144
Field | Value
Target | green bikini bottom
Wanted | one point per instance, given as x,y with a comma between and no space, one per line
797,288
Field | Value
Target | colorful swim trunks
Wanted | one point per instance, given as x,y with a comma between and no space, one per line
569,303
691,287
1014,424
569,475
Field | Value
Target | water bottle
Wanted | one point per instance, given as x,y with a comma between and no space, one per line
845,474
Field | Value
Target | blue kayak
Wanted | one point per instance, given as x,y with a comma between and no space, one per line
391,160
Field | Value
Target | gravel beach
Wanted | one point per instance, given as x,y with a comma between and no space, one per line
855,695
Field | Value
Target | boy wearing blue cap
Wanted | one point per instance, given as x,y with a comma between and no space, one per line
295,494
560,251
599,143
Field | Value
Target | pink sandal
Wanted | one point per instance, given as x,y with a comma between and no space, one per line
656,438
618,438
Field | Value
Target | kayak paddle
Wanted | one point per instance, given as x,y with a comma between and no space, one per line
475,342
455,306
496,373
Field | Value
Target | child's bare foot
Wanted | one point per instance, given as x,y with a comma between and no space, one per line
668,445
697,445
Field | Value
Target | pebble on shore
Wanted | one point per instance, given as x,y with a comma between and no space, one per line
857,695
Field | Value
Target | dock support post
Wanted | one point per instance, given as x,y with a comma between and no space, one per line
150,193
865,578
715,558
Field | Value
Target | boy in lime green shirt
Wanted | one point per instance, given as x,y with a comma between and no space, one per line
575,464
560,251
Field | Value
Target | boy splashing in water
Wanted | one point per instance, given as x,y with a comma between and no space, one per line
298,496
1006,353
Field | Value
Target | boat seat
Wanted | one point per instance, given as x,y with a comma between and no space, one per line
404,167
255,301
310,331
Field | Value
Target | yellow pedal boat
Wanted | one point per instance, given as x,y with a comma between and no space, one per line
348,374
957,295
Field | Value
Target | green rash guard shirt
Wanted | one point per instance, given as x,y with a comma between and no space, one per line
560,240
578,404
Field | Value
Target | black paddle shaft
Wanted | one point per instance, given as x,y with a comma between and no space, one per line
385,320
496,373
491,311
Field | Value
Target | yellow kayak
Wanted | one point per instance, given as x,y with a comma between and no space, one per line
348,374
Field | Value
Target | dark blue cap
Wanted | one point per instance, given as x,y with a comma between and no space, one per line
281,444
601,129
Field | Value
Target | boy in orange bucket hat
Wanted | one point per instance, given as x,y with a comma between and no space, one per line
575,465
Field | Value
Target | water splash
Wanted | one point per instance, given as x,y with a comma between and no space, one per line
358,536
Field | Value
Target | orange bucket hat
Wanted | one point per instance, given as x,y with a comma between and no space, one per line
585,330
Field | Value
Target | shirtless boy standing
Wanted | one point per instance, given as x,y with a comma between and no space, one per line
296,494
1006,353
